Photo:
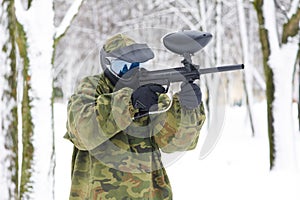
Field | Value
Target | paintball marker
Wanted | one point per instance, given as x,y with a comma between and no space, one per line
184,43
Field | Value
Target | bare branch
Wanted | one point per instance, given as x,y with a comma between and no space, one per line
152,15
184,18
291,28
85,30
194,12
66,22
281,8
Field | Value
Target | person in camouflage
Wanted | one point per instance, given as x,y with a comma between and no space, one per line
117,156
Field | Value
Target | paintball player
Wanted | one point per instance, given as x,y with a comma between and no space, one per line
117,143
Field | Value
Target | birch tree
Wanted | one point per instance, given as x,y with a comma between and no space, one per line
279,44
29,38
8,93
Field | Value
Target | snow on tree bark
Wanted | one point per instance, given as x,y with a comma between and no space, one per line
38,28
279,60
9,115
35,37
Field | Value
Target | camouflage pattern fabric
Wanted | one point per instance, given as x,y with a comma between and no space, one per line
116,42
116,157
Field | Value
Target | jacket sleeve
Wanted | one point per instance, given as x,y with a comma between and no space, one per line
180,128
94,118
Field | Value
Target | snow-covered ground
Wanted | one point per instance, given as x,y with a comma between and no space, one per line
236,169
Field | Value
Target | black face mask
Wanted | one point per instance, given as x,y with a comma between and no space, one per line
111,77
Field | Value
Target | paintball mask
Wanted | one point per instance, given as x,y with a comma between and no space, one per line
120,54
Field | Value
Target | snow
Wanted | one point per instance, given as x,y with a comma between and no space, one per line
270,23
63,150
282,65
237,168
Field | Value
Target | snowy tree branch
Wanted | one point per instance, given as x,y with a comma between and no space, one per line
269,14
184,18
190,9
281,8
66,22
201,10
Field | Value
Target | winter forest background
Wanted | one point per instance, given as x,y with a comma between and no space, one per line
47,46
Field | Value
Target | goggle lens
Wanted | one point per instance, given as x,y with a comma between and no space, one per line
120,67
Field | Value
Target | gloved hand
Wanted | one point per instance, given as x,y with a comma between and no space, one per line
145,98
190,95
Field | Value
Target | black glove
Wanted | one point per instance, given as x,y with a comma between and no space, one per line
145,98
190,95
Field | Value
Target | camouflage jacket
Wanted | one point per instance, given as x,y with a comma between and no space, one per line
116,157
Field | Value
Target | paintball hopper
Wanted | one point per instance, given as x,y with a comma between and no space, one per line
186,42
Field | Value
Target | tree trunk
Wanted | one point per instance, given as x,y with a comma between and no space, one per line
248,77
28,37
263,35
9,113
279,59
